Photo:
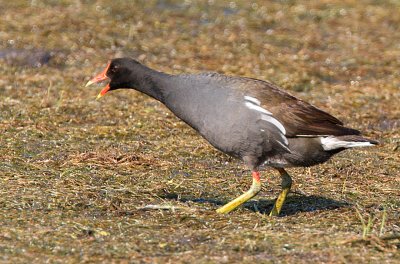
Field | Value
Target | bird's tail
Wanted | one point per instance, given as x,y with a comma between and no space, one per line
349,141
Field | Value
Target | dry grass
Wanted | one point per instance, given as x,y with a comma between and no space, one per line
122,180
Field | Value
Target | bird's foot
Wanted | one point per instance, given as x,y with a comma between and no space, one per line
255,188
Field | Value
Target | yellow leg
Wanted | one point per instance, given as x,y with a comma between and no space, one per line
286,184
254,189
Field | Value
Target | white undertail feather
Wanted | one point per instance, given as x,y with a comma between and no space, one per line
330,143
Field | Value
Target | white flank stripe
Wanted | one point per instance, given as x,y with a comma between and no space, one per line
330,143
257,108
254,104
275,122
285,146
252,100
311,136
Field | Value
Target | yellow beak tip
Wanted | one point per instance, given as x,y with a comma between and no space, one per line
89,83
99,96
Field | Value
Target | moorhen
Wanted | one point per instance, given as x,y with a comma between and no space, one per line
246,118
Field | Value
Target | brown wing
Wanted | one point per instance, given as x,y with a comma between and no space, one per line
298,117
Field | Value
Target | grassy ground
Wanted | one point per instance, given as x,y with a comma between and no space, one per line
77,175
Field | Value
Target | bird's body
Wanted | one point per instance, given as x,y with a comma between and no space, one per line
223,118
246,118
231,119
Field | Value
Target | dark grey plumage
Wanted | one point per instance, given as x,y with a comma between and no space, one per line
243,117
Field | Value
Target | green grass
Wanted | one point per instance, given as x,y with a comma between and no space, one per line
78,176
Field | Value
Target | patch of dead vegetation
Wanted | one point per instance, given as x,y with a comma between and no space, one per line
123,180
107,159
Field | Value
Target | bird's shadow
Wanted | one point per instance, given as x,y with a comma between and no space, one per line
295,203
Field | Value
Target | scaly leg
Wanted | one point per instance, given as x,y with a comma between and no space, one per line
254,189
286,184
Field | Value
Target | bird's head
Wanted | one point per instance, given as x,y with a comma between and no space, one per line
119,72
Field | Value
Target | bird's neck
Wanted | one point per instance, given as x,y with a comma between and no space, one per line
150,82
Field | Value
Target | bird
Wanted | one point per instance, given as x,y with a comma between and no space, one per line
249,119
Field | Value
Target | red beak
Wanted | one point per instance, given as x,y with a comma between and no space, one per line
99,78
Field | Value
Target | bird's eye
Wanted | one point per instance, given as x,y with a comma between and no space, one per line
113,69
